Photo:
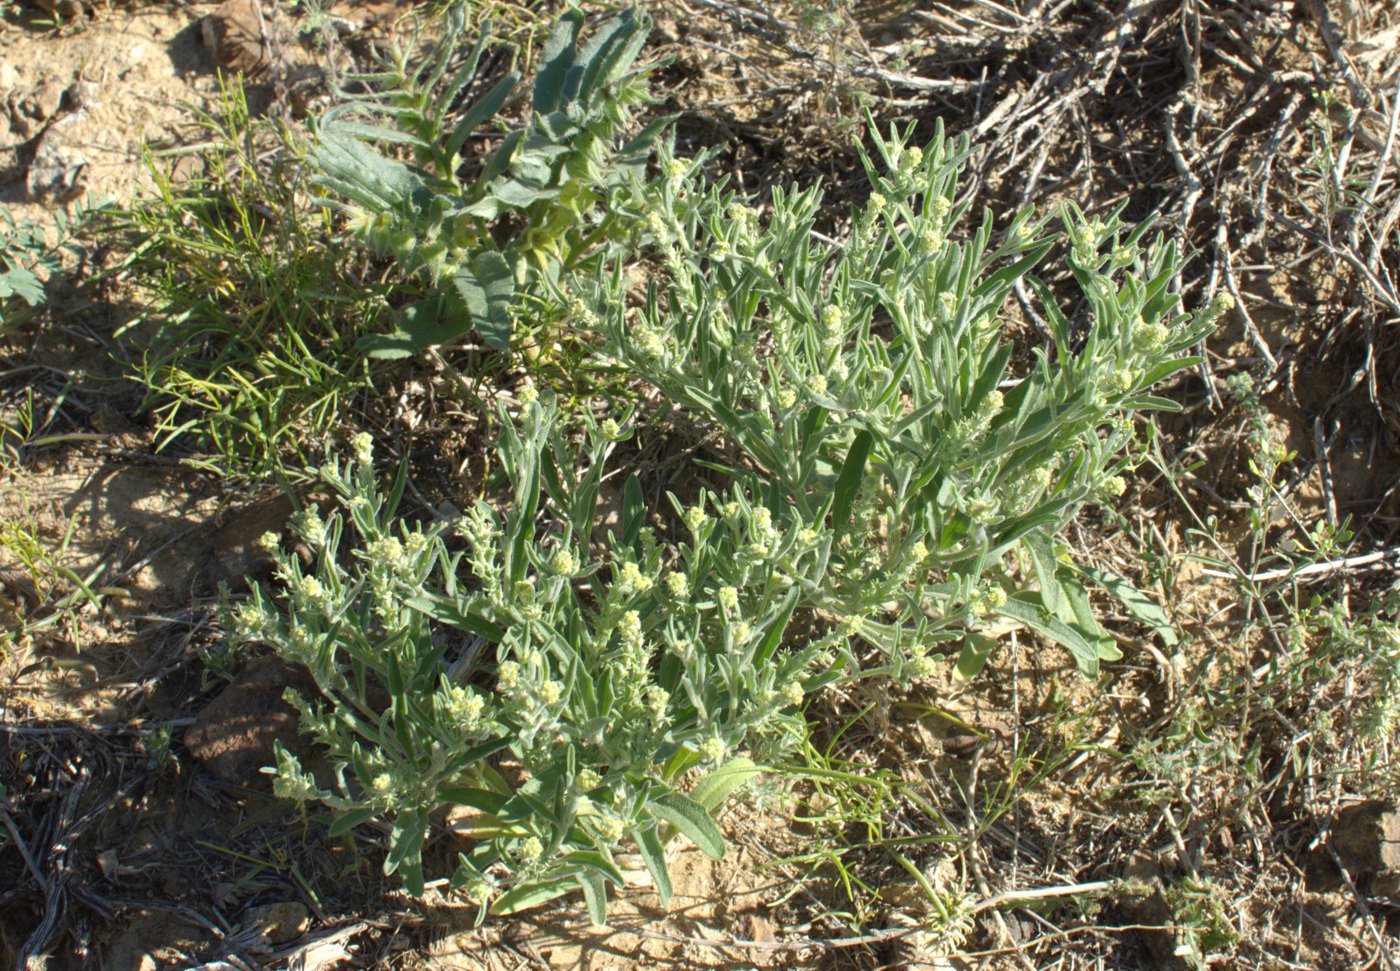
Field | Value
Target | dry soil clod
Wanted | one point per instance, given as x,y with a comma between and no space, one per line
234,736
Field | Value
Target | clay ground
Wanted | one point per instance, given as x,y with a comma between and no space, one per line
1193,807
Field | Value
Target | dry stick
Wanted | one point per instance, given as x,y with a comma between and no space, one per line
1194,187
1372,561
1265,169
1386,289
1222,245
33,867
1381,165
878,936
1384,948
1122,37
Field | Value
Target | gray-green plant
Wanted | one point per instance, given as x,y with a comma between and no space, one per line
556,685
496,235
869,384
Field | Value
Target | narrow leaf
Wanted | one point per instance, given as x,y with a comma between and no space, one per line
848,482
654,856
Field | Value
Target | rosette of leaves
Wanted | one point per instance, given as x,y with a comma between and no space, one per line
559,696
870,385
488,236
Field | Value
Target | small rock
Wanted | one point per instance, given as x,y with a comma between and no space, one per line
57,173
63,9
237,555
1146,904
107,420
233,737
1367,837
240,37
279,923
757,928
43,102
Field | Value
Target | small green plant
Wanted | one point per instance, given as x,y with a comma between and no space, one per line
28,257
868,386
250,314
521,220
559,695
1203,924
156,742
56,591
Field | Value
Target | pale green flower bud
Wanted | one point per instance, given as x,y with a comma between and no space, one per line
921,667
677,585
1120,382
562,563
712,749
609,828
947,304
363,445
728,597
695,518
630,628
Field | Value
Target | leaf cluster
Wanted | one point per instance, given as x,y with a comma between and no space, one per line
558,695
507,230
870,385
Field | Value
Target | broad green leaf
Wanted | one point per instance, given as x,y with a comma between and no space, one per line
711,791
350,820
1043,556
973,656
406,846
690,819
777,628
1027,609
532,895
595,893
488,289
482,800
483,108
557,57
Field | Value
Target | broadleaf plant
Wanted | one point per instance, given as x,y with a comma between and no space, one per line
505,231
869,385
558,688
